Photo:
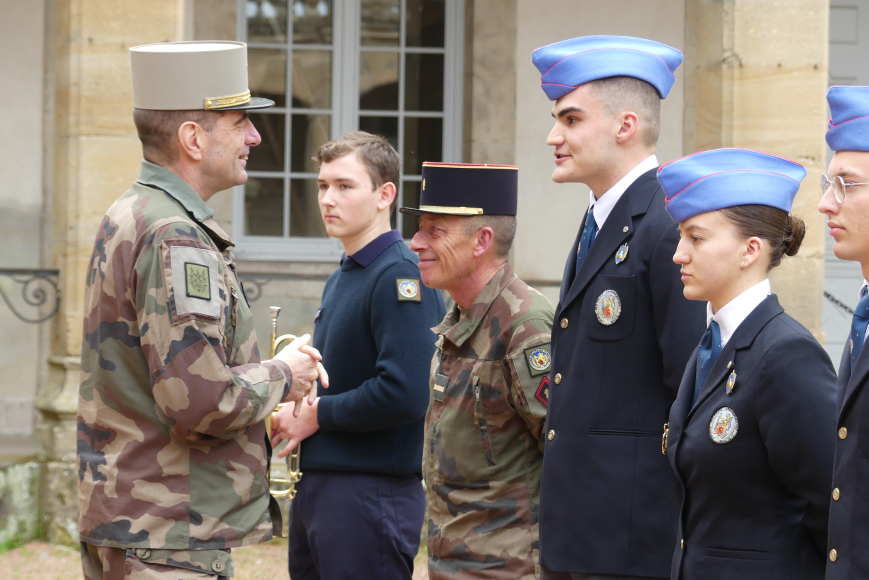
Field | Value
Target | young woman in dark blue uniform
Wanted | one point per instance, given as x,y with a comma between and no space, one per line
752,430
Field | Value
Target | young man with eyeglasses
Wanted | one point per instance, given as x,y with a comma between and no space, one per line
845,202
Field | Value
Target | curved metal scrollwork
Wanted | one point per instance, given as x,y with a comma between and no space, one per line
37,288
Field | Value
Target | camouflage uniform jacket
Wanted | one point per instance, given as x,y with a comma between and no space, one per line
171,440
484,433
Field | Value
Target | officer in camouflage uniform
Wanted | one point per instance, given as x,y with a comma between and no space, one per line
489,380
172,445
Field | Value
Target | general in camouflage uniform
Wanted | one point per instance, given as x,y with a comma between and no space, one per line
172,445
489,379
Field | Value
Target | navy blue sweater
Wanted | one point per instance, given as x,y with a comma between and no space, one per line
377,347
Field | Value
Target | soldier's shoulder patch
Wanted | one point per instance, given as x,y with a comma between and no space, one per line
542,393
539,359
408,289
194,281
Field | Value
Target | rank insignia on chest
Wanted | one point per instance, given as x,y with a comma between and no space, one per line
539,359
408,289
622,254
608,307
197,280
542,393
731,382
723,426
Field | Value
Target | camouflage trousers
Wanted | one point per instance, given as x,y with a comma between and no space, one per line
101,563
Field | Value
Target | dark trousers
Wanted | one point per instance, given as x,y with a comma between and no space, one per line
355,525
547,574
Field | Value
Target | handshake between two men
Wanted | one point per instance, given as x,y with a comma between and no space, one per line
299,421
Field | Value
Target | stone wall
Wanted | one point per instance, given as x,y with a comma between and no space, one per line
756,76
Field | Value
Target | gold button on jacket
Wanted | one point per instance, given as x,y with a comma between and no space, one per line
833,555
551,435
557,378
836,494
843,432
563,323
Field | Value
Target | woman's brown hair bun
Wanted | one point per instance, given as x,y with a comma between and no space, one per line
783,231
795,231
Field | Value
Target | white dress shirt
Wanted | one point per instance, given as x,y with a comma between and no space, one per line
604,206
731,315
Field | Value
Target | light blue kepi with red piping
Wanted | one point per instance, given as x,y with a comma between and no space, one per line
848,129
566,65
721,178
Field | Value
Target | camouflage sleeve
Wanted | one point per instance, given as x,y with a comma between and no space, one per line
182,303
528,365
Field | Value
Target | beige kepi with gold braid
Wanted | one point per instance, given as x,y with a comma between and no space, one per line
182,76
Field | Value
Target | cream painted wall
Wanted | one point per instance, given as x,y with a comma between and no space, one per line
550,214
21,199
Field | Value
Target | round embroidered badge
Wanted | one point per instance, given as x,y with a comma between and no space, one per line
408,288
539,359
608,307
723,426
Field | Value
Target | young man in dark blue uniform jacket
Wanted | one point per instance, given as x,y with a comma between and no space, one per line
846,204
623,330
360,503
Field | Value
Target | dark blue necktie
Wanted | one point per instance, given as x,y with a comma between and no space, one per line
707,354
858,325
588,234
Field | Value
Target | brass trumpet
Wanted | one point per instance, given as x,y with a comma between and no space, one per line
294,473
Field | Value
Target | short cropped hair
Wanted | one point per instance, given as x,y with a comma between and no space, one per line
377,155
158,131
620,94
503,227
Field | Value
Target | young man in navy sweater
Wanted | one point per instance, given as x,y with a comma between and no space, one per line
360,504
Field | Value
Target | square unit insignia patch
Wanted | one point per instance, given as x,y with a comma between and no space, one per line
539,359
197,281
408,289
192,281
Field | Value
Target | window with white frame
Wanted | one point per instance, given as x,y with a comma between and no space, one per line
391,67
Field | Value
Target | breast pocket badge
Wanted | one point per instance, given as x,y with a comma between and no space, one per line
723,426
608,307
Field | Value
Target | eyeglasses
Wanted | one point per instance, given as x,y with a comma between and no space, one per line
839,186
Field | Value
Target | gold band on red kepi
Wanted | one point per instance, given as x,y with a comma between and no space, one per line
467,189
182,76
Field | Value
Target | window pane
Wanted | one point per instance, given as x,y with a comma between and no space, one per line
305,220
269,154
425,23
410,223
308,133
423,141
312,22
264,207
267,21
386,126
381,22
424,82
267,72
312,79
378,81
